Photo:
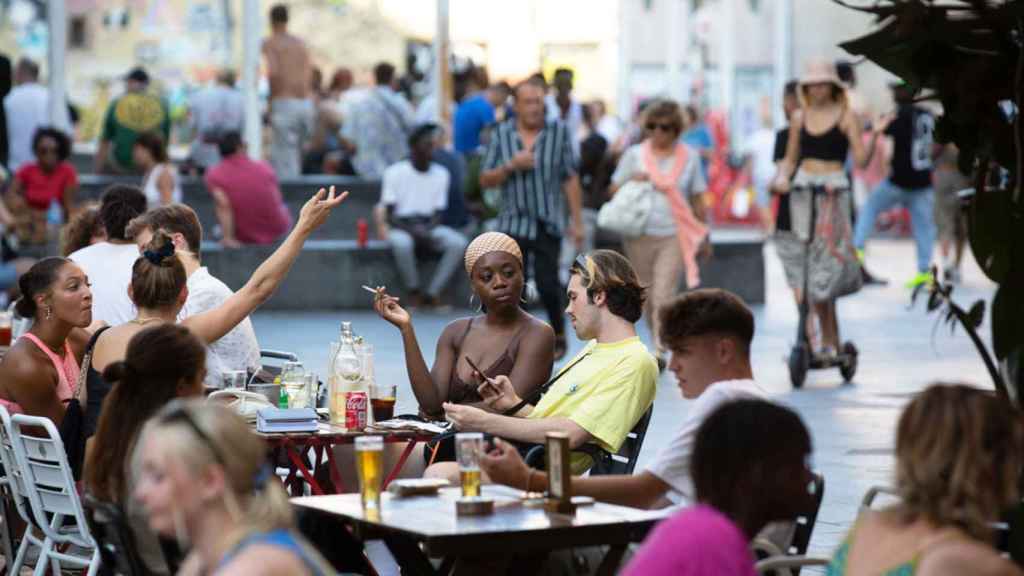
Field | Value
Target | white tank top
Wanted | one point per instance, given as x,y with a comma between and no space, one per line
153,193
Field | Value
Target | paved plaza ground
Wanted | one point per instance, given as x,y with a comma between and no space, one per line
852,425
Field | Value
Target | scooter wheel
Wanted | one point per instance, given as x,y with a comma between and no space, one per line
799,362
849,366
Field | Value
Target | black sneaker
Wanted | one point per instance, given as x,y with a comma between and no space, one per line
870,279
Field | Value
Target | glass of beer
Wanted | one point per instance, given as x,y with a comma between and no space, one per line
369,466
468,447
382,399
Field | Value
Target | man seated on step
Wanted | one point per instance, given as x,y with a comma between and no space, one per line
601,393
708,332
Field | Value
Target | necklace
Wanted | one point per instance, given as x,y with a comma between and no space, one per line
144,321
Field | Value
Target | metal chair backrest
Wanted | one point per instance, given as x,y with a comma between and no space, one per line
806,520
114,538
624,461
49,483
789,539
605,463
12,471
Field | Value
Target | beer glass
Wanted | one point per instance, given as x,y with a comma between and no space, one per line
468,447
369,466
6,322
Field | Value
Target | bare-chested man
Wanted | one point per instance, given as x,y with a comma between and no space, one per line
292,113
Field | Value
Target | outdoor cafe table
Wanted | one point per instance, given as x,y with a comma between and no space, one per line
421,527
296,445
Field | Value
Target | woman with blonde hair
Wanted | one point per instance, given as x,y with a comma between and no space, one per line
676,226
823,134
202,476
959,452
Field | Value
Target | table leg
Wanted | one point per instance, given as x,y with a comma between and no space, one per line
301,467
339,484
610,565
398,465
410,558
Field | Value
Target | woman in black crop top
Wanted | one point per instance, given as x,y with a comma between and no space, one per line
823,135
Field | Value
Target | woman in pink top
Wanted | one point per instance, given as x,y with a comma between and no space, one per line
749,468
40,372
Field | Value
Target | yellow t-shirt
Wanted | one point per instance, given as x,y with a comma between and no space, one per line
605,393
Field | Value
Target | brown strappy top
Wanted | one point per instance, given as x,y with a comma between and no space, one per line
460,392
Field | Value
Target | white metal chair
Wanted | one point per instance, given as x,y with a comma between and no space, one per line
50,488
15,486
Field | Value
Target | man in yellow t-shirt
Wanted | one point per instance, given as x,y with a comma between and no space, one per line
602,392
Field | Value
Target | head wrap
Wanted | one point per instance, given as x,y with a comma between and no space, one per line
491,242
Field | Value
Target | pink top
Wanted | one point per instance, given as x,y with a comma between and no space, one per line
695,542
67,372
260,214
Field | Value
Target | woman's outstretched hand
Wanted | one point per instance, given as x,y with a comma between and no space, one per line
315,212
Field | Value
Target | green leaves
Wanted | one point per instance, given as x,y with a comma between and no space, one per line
995,232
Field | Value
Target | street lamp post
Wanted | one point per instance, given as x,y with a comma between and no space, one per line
57,17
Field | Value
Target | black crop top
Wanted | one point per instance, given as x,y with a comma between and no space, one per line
832,146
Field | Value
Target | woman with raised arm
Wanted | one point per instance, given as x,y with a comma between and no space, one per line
158,289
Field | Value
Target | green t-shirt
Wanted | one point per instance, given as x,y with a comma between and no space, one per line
128,116
605,393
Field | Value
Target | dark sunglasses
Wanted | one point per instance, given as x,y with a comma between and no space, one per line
652,126
181,414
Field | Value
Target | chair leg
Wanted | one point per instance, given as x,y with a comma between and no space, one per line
94,564
19,558
44,558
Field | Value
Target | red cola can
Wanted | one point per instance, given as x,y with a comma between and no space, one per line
362,232
356,408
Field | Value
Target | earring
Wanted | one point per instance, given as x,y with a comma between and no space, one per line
49,312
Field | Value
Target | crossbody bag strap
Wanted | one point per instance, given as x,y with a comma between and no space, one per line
540,391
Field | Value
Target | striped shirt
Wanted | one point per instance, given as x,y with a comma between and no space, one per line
532,198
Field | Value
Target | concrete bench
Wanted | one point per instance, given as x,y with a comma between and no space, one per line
363,196
329,273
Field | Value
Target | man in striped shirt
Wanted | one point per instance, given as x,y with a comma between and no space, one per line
533,163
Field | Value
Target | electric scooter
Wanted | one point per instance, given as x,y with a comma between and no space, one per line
801,357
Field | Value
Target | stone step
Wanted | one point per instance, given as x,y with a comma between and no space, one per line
363,196
329,274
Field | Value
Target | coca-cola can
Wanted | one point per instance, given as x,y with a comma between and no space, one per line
356,407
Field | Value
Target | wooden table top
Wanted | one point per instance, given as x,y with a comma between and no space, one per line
515,525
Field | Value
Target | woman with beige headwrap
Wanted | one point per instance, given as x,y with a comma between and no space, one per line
503,340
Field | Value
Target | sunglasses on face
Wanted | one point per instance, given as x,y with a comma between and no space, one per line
652,126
